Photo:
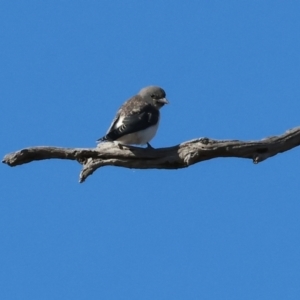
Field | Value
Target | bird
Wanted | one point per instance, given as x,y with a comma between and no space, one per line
136,122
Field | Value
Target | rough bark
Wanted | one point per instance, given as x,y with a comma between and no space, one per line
179,156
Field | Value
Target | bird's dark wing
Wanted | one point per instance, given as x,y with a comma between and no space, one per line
138,119
134,104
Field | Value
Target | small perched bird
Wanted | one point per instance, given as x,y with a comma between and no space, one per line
136,121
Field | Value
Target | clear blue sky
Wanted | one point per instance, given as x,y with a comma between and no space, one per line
221,229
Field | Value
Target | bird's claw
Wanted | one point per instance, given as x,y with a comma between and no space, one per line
149,146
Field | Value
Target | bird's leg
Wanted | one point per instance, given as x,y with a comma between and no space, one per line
149,146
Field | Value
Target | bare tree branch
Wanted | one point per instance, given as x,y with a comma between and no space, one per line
180,156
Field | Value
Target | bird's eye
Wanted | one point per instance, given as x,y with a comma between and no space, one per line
153,96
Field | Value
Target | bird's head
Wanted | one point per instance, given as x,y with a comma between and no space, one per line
154,95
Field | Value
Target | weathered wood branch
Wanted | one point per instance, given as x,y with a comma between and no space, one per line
179,156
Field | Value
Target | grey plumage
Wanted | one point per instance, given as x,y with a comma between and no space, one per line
137,120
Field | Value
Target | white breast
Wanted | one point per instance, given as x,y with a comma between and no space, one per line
141,137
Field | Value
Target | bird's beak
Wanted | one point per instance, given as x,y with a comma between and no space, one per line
163,101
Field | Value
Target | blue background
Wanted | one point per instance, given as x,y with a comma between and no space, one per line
221,229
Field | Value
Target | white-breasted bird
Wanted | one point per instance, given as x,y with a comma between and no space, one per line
137,120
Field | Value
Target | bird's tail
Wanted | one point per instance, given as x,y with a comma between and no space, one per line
103,139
